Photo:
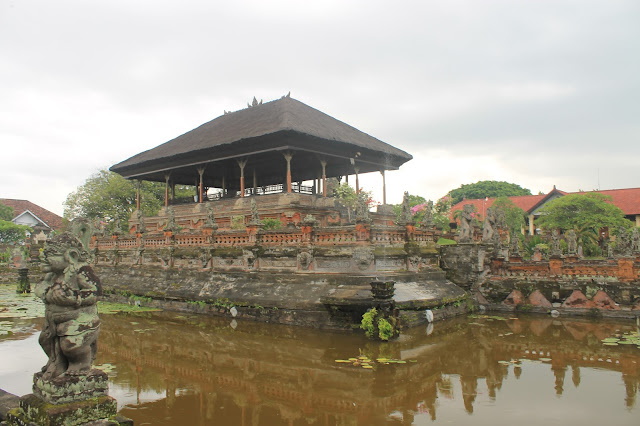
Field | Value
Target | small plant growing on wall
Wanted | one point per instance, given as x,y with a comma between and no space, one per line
367,323
270,224
385,329
375,325
237,222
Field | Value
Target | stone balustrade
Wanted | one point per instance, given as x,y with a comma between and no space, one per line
351,248
623,269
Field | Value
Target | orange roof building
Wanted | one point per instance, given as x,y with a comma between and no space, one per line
40,219
628,200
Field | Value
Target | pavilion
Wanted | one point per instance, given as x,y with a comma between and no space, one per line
265,148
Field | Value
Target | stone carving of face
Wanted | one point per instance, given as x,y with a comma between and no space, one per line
56,257
53,261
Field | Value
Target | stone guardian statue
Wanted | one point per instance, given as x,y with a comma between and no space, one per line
465,224
70,292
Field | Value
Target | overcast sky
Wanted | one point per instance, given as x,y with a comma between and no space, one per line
538,93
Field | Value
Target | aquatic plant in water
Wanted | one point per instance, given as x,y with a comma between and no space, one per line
628,338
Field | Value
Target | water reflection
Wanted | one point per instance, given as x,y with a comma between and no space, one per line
198,370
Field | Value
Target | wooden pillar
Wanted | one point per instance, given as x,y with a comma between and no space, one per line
224,186
255,182
384,187
138,195
357,169
166,189
201,184
242,163
288,156
324,178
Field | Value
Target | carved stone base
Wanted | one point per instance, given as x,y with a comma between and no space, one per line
65,389
33,410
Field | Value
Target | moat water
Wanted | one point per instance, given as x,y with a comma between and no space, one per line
176,369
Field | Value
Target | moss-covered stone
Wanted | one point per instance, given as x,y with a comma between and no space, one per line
389,252
35,410
227,252
412,248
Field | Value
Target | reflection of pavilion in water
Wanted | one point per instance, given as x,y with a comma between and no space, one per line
279,375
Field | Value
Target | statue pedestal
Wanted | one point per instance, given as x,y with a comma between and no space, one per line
71,400
63,389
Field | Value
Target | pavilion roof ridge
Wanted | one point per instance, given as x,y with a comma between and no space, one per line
274,118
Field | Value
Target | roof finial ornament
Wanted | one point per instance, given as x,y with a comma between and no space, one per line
254,103
288,95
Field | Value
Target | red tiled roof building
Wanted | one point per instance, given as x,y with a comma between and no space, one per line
628,200
28,213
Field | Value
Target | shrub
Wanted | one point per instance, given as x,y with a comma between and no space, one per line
367,323
237,222
270,224
385,330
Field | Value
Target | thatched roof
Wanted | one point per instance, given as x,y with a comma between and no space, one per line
279,125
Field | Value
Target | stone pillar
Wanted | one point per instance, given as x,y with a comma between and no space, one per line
324,178
166,189
532,228
242,163
23,279
200,184
138,194
384,188
288,156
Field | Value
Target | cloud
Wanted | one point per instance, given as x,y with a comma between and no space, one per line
536,93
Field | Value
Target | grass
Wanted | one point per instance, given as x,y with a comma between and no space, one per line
445,242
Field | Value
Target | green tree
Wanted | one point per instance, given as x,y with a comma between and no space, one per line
6,212
586,213
487,188
109,195
514,216
347,196
12,233
442,212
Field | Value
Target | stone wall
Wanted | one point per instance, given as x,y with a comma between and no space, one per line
464,263
333,301
568,284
